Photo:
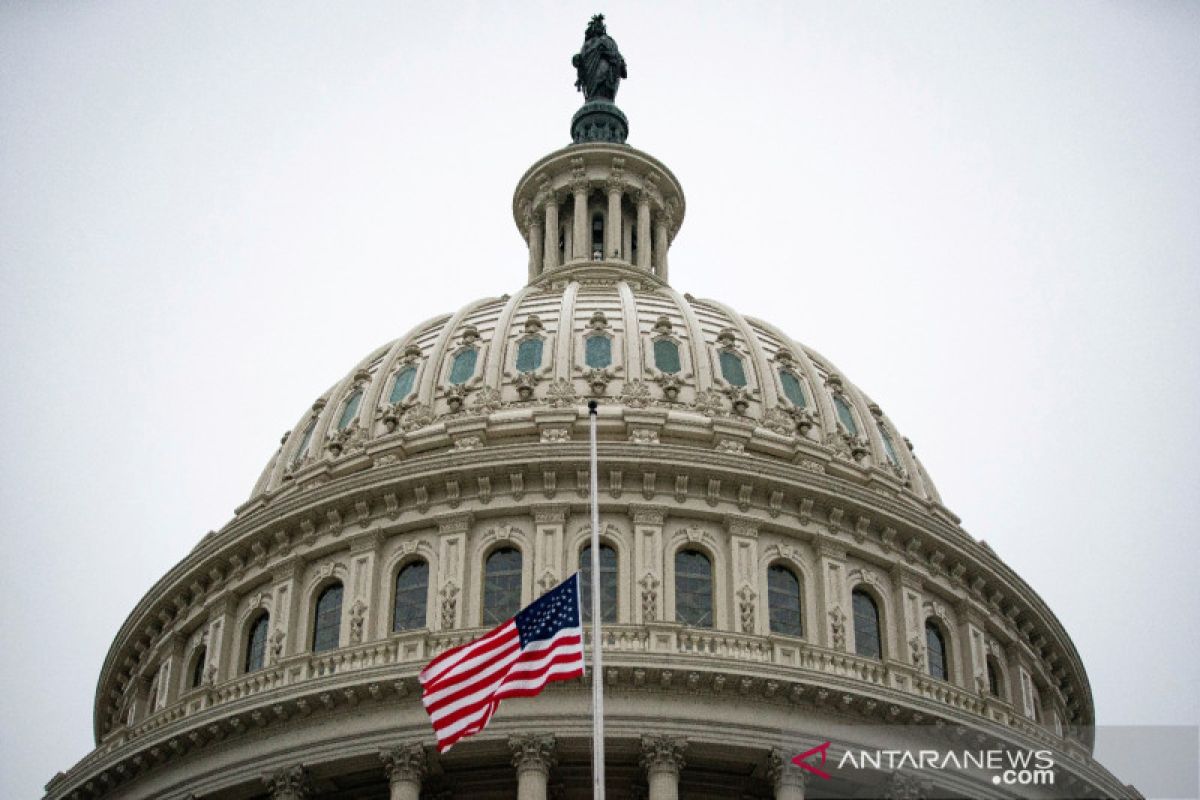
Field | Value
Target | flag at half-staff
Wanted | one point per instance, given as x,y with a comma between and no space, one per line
463,687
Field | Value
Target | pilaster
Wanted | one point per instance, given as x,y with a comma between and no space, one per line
908,597
833,595
549,522
364,578
452,545
743,574
647,563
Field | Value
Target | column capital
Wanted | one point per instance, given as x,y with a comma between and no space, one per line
647,515
289,783
550,514
532,752
405,762
580,186
455,523
782,773
663,753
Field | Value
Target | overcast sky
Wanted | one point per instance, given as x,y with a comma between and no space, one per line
985,214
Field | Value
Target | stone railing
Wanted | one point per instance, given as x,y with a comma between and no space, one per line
672,640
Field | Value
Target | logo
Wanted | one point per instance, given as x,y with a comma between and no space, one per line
800,761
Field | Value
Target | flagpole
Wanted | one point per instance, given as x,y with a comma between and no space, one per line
597,666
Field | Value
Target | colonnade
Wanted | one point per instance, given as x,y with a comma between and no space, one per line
533,758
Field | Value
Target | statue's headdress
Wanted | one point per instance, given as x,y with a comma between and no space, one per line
596,27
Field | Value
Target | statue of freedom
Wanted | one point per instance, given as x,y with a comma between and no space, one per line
598,65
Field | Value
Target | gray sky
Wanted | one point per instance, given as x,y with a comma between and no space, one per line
985,214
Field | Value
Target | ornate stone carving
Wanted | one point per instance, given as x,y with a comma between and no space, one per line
456,398
649,584
780,421
290,783
903,787
276,646
561,393
598,380
635,394
468,443
643,436
525,383
671,385
487,399
782,773
746,597
739,398
358,613
406,763
663,753
347,440
731,446
556,435
449,595
709,403
837,627
532,751
418,416
917,652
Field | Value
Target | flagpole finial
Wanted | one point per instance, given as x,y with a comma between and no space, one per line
592,406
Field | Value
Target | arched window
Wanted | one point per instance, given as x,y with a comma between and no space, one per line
792,388
608,583
302,448
993,678
256,643
732,369
888,446
464,366
529,355
866,626
693,589
935,651
598,235
412,588
501,586
783,600
597,351
327,622
198,665
349,410
402,386
666,356
845,414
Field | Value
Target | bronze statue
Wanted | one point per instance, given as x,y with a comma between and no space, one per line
598,65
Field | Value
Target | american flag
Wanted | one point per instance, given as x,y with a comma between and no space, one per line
463,687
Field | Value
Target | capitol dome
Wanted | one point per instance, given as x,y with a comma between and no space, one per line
778,569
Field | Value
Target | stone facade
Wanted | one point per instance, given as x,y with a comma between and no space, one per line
718,434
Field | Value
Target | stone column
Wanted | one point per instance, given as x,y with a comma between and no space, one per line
406,767
581,236
550,251
535,247
221,658
612,223
287,575
786,778
660,247
363,586
289,783
662,758
533,757
643,230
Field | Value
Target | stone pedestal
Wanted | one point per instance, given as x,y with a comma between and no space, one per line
662,758
405,766
533,757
